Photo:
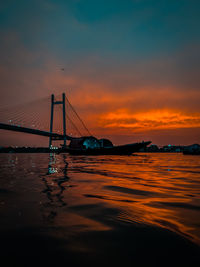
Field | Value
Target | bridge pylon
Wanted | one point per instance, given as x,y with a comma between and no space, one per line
62,102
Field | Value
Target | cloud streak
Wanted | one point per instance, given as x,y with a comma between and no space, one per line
149,120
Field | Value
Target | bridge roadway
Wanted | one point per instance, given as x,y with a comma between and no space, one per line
16,128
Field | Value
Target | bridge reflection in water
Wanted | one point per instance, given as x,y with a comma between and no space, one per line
55,184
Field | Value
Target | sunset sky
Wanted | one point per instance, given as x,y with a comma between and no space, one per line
131,68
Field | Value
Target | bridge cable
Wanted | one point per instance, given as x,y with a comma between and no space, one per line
78,116
72,122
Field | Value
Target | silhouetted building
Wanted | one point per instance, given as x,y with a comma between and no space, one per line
192,149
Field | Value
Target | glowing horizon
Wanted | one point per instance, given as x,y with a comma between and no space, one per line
149,120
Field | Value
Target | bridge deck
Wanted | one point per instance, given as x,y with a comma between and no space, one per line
16,128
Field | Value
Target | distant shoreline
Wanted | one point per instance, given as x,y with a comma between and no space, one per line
29,150
188,150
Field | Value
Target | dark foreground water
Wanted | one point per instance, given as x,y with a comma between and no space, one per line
99,210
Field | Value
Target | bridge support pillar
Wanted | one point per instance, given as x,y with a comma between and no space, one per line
53,102
51,119
64,119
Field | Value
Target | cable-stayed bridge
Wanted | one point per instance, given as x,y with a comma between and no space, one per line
53,117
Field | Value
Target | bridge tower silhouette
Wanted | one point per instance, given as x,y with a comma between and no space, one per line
53,103
40,117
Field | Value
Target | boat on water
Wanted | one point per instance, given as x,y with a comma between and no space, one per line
90,145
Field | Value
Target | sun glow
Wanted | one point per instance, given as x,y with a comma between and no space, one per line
153,119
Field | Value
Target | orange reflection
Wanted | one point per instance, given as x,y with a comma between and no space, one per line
158,190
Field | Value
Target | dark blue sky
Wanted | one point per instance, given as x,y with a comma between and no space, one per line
121,28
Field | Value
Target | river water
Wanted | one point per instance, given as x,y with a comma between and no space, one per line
100,210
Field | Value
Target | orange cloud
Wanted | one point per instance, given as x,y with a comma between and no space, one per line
149,120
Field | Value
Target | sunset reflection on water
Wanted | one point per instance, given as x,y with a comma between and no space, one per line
71,196
161,189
